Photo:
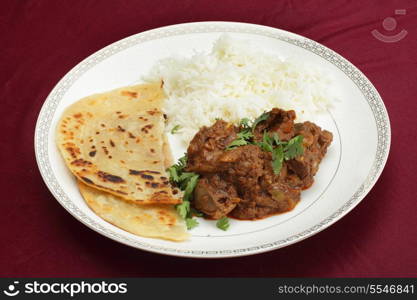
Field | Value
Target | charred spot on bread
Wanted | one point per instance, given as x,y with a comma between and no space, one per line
135,172
87,180
130,94
145,176
109,177
81,163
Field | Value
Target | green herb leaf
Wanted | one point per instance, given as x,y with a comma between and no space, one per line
182,162
191,223
223,223
277,141
267,143
282,150
173,174
183,209
294,147
245,123
191,183
175,171
236,143
277,159
243,138
186,181
196,213
261,118
185,176
183,179
245,134
175,129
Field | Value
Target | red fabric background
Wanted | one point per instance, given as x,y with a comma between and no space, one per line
42,40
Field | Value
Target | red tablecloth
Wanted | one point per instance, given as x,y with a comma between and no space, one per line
42,40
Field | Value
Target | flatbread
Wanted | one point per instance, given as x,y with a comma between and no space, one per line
147,220
114,142
152,220
169,160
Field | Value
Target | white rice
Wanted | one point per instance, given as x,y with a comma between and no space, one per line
234,81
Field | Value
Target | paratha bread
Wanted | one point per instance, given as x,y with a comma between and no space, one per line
152,220
148,220
114,142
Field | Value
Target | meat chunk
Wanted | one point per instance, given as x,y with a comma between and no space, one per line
208,145
315,143
266,196
241,182
278,198
215,197
280,122
243,166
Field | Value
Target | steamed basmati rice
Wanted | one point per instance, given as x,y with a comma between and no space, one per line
234,81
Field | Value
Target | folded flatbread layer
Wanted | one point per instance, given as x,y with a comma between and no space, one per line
114,142
151,220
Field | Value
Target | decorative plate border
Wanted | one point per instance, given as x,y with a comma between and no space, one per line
368,90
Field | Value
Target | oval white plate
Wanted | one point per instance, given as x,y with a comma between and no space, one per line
354,161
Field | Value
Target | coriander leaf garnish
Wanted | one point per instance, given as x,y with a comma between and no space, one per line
242,139
191,223
176,170
281,150
267,143
261,118
236,143
277,141
191,183
223,223
245,123
184,178
196,213
183,209
175,129
173,174
182,162
245,134
294,147
277,159
186,181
